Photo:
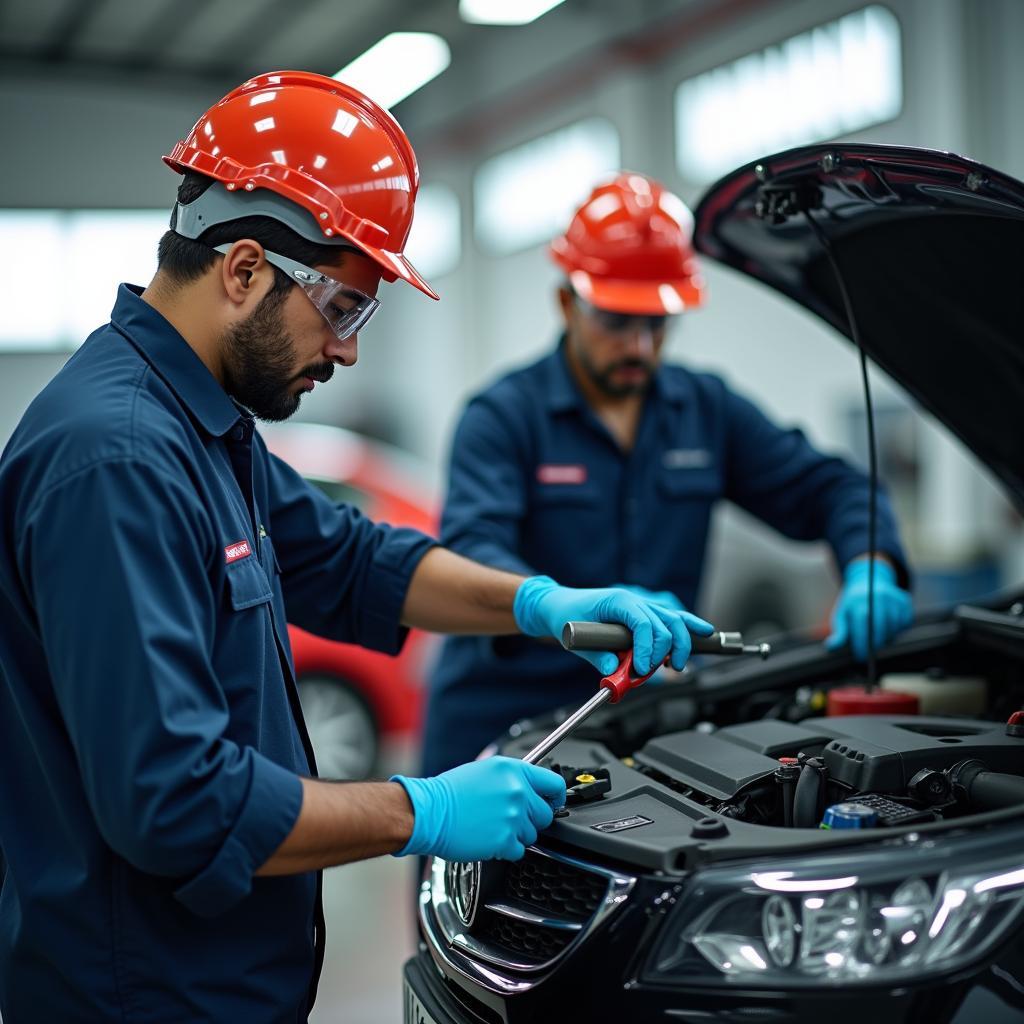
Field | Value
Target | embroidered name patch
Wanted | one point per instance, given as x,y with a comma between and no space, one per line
686,458
555,474
240,549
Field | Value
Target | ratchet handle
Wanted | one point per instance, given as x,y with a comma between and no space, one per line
622,680
612,636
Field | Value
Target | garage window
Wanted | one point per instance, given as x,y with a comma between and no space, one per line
836,79
60,270
526,195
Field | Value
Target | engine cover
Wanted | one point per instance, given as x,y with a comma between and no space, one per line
868,753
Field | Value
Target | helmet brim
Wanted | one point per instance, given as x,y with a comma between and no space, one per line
649,298
395,266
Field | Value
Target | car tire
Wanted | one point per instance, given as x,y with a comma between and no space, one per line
341,726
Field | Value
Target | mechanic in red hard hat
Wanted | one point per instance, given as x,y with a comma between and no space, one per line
159,812
599,465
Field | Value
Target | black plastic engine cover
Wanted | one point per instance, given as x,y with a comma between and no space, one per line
724,762
883,754
865,752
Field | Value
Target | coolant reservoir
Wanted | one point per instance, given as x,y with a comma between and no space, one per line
939,694
858,700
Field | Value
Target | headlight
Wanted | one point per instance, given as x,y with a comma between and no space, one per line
902,910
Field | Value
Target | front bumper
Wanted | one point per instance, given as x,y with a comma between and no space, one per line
597,978
426,1000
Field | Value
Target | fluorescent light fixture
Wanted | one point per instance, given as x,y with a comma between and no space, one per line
836,79
435,241
504,12
527,194
104,246
397,65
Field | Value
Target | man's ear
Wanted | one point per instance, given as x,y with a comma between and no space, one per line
245,272
565,303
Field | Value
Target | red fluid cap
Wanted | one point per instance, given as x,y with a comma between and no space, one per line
629,249
322,145
1017,718
855,700
789,760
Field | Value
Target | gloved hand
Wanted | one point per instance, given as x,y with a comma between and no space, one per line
663,597
666,599
894,609
542,608
481,810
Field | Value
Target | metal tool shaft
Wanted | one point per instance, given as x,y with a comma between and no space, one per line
554,738
610,636
606,636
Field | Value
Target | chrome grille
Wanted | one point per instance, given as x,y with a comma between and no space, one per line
528,914
521,938
555,887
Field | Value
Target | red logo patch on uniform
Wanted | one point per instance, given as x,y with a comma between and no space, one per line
240,549
551,473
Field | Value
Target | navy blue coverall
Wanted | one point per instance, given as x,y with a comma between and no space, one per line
151,741
537,484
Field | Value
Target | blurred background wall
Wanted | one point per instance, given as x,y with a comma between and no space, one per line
92,92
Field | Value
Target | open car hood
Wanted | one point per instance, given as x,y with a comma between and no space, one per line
931,249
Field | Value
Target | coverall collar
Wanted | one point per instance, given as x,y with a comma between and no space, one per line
175,361
563,392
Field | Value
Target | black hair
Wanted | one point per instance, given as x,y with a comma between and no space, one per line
184,260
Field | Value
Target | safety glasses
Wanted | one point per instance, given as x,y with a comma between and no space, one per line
620,323
345,309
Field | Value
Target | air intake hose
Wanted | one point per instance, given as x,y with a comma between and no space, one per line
985,790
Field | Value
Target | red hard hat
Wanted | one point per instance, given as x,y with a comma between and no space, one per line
325,148
629,249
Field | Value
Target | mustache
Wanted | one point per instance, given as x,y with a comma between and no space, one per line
320,372
631,364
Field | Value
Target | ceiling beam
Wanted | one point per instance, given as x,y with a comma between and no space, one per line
66,31
166,25
470,128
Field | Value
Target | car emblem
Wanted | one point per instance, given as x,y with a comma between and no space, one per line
462,881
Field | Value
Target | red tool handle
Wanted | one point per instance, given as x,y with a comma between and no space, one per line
622,680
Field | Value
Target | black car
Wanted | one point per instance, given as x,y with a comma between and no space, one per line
701,886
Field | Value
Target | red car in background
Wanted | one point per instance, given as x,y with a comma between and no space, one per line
354,699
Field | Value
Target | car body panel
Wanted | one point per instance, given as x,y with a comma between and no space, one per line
389,486
929,246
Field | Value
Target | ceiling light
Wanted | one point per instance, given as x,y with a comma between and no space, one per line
504,12
397,66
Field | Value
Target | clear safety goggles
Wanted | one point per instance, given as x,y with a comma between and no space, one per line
345,309
621,323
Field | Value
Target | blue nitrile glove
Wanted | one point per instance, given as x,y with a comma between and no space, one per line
663,597
542,608
481,810
894,609
667,600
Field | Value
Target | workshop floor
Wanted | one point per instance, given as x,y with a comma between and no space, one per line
370,934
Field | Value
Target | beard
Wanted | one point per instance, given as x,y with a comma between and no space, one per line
259,354
603,379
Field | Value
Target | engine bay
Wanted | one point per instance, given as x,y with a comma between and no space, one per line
740,759
906,769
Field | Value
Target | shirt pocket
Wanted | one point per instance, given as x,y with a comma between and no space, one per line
678,484
556,495
248,584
